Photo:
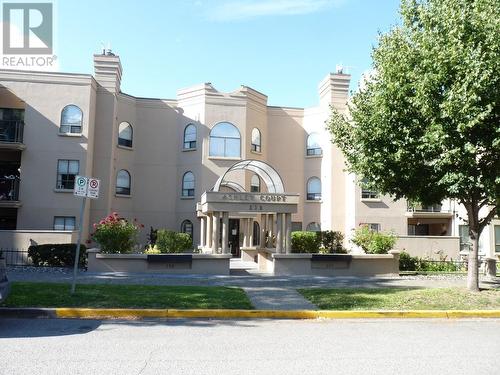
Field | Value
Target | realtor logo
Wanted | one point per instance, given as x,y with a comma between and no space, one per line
27,28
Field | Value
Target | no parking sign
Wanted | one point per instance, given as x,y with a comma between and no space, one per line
93,188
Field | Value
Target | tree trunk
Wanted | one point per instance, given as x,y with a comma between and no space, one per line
473,272
474,231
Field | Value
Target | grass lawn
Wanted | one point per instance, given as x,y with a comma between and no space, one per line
401,299
25,294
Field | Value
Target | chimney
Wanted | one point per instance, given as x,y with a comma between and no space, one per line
108,71
334,90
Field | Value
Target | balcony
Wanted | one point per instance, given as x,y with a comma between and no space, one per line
11,135
429,211
9,191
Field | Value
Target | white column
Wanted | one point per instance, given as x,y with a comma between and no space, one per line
288,233
279,233
263,221
250,232
208,243
225,232
270,229
202,232
215,232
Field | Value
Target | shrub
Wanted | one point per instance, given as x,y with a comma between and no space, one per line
57,255
373,242
332,242
306,242
152,249
115,234
168,241
407,262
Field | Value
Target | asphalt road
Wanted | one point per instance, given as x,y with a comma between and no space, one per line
274,347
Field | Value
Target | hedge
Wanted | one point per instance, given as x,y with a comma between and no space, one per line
168,241
57,255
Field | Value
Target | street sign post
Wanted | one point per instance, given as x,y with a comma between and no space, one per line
85,187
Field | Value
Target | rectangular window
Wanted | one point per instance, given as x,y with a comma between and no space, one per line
368,194
66,173
124,142
313,196
255,147
375,227
64,223
296,226
314,151
497,238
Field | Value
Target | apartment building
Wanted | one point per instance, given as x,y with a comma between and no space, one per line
156,157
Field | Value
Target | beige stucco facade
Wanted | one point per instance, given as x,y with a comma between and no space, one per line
157,158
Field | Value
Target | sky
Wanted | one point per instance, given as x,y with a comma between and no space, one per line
282,48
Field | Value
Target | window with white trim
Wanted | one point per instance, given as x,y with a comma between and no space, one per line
256,140
71,120
188,184
123,182
314,189
189,137
66,173
125,134
64,223
313,145
225,141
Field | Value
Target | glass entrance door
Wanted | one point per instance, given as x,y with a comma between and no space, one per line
234,237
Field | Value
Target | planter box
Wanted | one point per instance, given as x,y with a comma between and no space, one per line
336,264
204,264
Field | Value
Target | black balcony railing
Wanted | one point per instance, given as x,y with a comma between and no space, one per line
9,188
429,208
11,131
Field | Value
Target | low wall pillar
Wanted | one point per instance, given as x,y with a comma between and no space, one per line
395,265
490,269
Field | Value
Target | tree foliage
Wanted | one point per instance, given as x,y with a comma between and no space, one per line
426,125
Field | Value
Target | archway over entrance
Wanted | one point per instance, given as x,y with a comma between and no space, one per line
272,210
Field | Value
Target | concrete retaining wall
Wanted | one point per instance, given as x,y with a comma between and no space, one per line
22,239
337,265
205,264
430,246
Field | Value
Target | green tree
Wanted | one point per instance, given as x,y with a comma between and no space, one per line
426,125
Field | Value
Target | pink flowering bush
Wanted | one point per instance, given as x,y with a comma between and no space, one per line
115,234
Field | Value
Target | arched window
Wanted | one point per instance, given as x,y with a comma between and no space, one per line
125,134
187,227
314,189
255,184
189,137
225,141
256,234
71,119
123,182
256,140
313,227
313,145
188,184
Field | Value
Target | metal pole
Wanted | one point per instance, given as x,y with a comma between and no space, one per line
77,256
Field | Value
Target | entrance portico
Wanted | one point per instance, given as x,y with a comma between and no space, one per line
272,209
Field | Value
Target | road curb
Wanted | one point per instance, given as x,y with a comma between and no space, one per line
88,313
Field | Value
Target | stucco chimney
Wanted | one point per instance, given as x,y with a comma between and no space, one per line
108,71
334,90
